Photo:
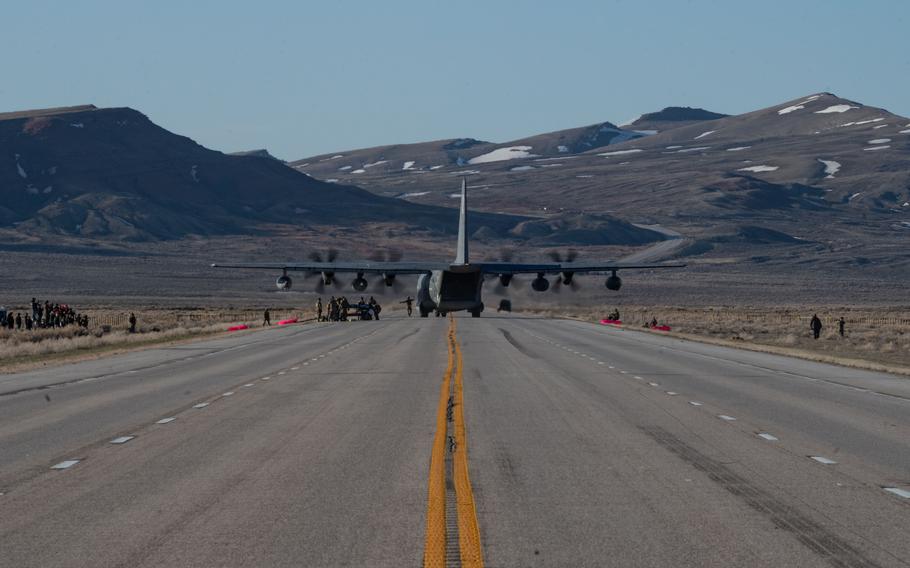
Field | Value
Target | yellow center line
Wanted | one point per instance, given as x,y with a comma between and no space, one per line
468,529
469,533
434,552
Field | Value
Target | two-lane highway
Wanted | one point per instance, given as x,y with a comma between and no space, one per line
586,446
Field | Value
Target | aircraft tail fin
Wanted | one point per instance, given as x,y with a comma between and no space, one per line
461,255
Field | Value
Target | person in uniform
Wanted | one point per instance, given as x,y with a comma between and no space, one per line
841,324
266,318
132,322
319,309
409,302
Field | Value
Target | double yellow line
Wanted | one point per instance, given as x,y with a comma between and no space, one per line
434,554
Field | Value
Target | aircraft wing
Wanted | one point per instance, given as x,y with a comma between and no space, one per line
365,267
574,267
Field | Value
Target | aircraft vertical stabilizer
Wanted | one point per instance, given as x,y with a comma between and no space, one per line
461,255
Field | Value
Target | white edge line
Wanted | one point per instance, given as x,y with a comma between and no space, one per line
166,420
726,417
766,436
122,439
898,491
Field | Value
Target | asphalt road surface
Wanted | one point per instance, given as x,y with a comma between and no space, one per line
586,446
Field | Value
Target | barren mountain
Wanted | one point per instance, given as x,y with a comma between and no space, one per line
829,176
111,174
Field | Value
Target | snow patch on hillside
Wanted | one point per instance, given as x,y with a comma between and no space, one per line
437,167
344,168
738,148
835,108
502,154
831,167
673,147
521,168
621,152
561,148
761,168
359,171
703,134
408,165
904,131
77,125
880,141
789,109
695,149
876,148
854,196
332,180
20,169
194,173
413,194
379,163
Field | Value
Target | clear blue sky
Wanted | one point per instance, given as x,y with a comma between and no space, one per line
302,78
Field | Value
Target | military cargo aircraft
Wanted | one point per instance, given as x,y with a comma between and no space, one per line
449,287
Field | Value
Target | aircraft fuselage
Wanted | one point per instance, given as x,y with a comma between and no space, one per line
458,288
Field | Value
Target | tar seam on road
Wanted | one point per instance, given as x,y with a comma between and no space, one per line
469,546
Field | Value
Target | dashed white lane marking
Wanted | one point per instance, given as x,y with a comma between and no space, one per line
228,393
767,436
280,373
314,359
824,460
295,368
248,385
726,417
624,372
601,363
637,377
695,403
265,378
898,491
65,464
166,420
612,367
671,393
201,405
654,384
122,439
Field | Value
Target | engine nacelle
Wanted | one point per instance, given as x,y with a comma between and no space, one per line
614,283
283,282
505,279
540,284
360,283
388,279
567,278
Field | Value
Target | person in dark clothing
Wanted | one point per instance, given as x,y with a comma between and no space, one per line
409,302
841,324
28,322
18,321
10,320
266,318
132,322
815,325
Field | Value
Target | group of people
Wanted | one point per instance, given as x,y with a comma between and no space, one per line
342,309
45,315
815,324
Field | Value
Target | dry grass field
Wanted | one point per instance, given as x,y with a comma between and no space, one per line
875,337
108,332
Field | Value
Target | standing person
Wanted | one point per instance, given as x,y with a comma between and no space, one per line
266,318
132,322
319,309
28,322
815,325
376,309
841,324
409,302
10,320
18,320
